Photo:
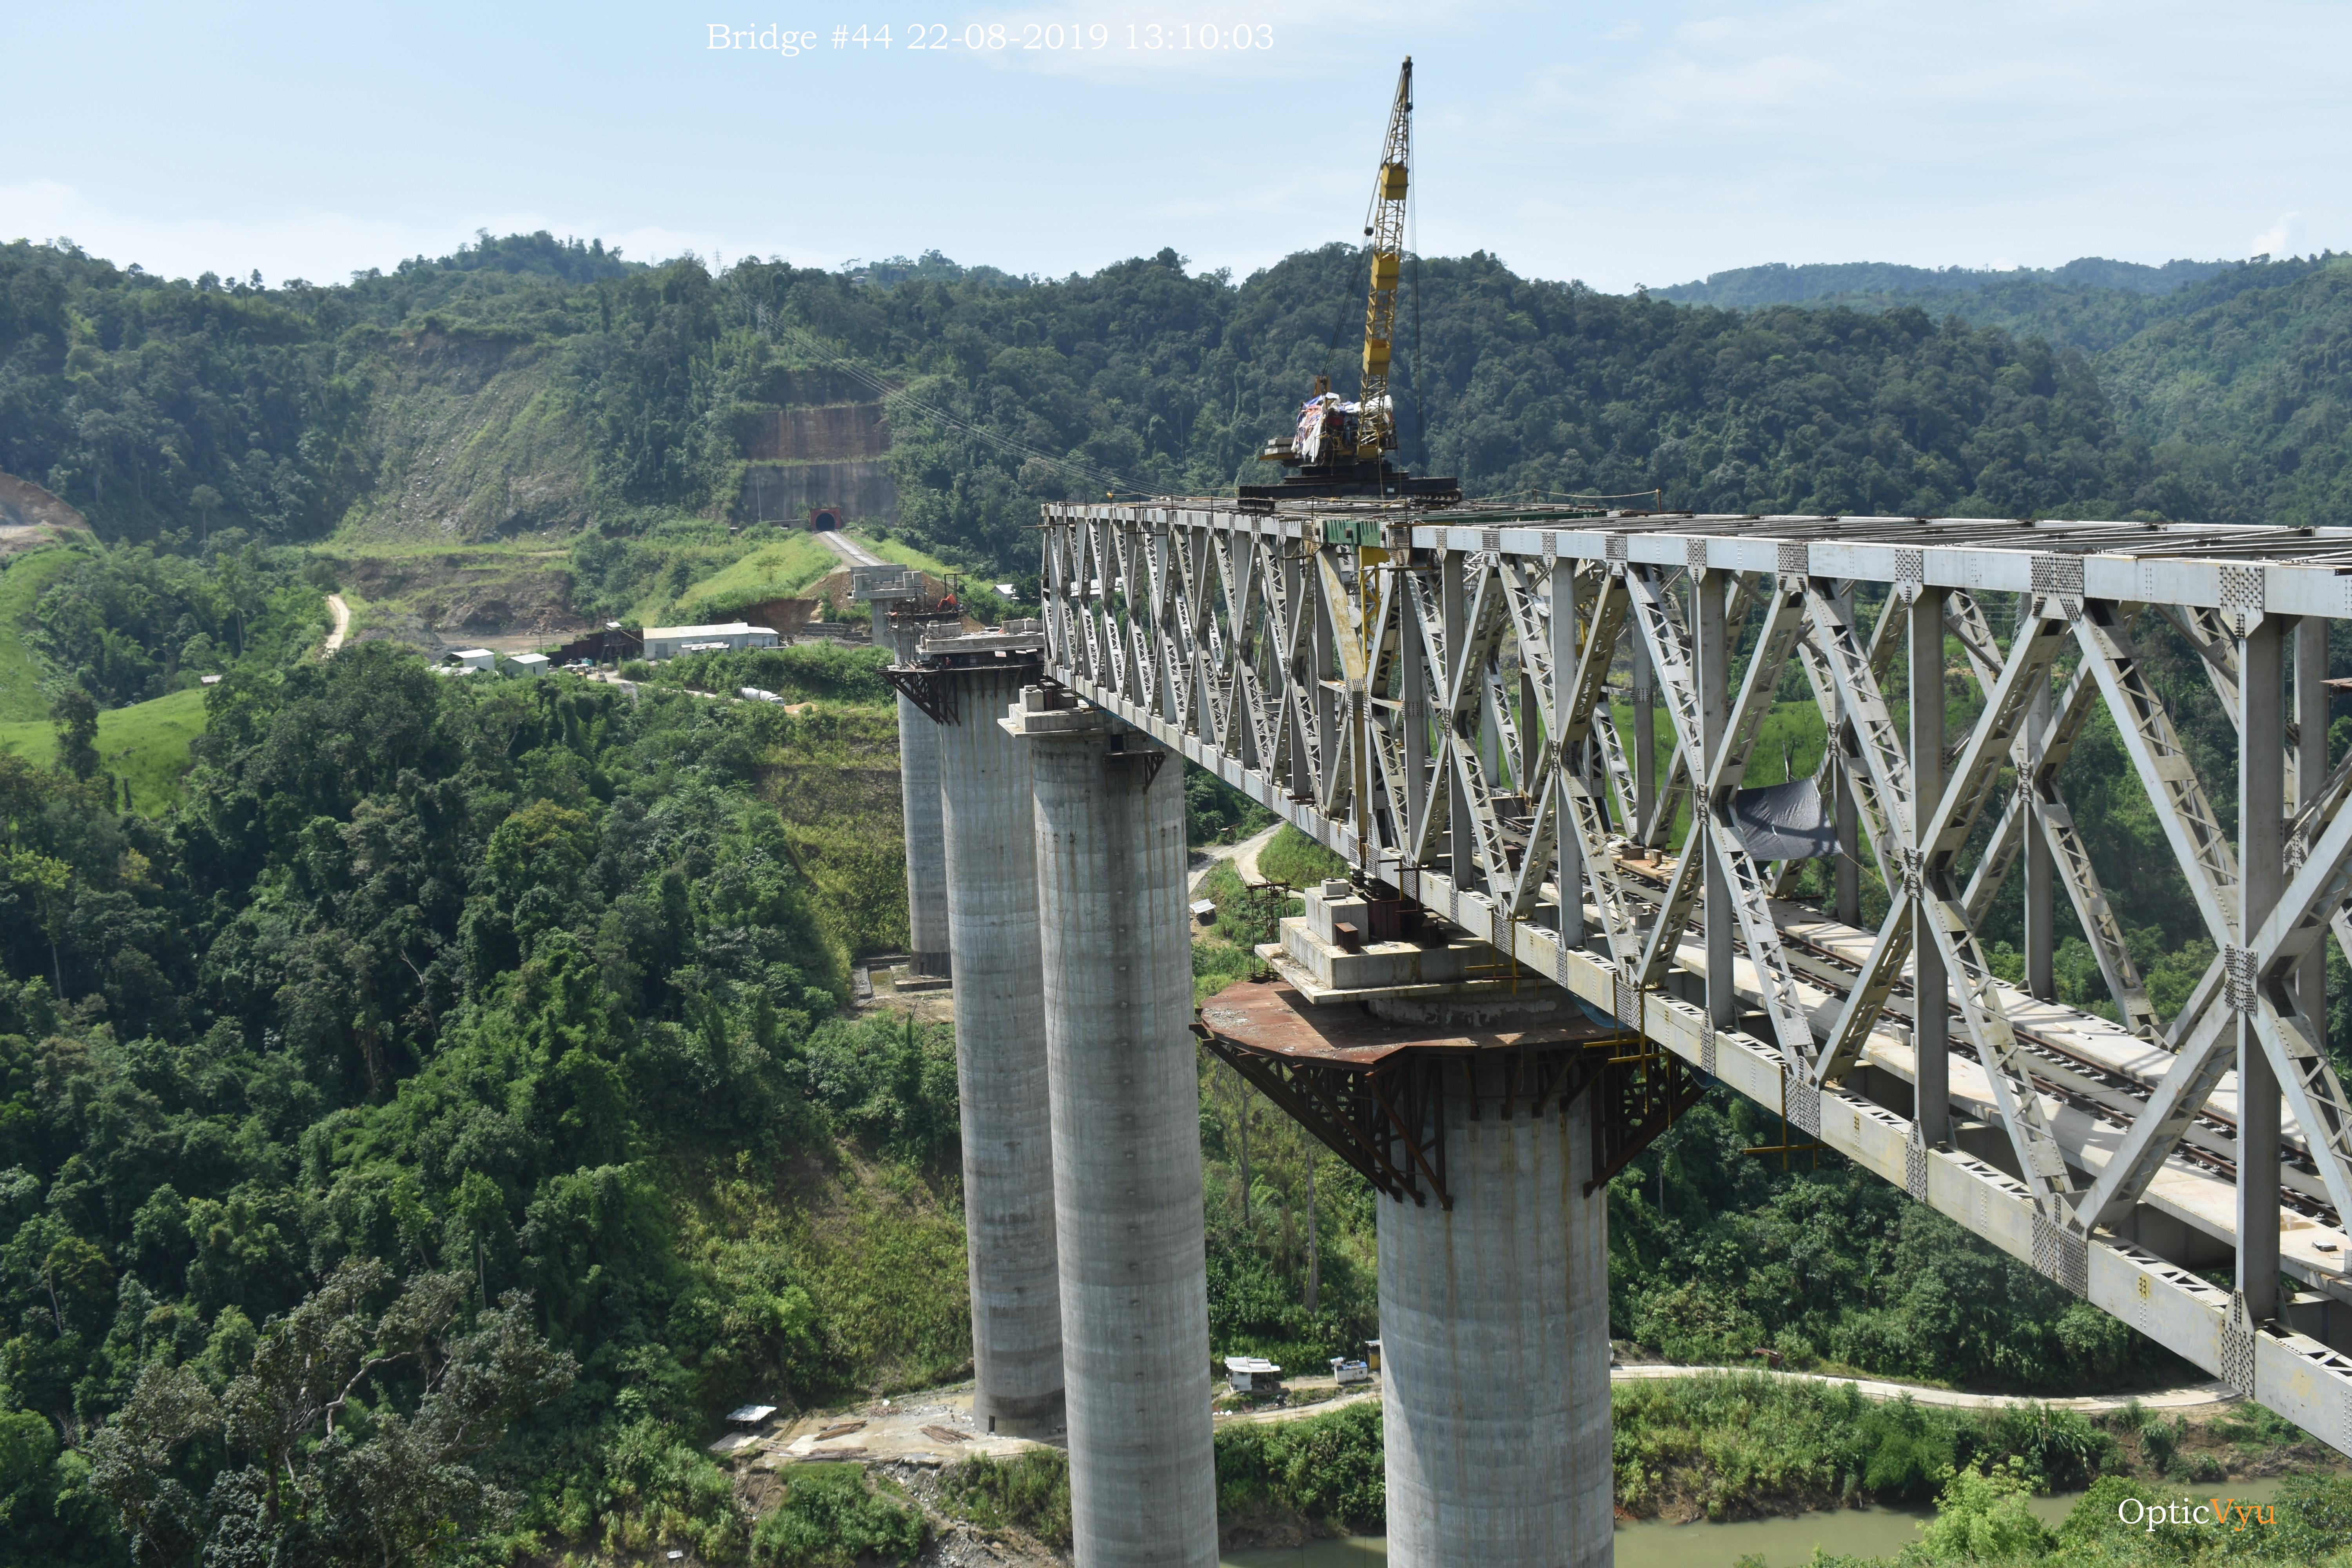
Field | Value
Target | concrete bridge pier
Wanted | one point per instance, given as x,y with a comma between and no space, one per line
919,795
990,861
1495,1341
1127,1154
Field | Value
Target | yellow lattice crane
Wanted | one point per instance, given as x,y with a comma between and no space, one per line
1341,447
1384,229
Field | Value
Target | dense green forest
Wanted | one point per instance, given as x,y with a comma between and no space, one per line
432,999
166,409
487,1044
1779,283
131,623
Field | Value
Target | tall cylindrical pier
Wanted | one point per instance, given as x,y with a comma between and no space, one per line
1495,1342
986,808
918,794
1127,1152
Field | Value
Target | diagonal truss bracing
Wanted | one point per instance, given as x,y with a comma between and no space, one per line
2036,805
1429,695
1716,778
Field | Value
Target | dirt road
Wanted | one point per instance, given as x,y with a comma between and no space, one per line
2189,1398
2195,1396
342,625
849,550
1243,855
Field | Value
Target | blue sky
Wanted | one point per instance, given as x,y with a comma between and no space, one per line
1615,143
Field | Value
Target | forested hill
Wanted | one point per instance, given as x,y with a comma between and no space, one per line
2092,304
1779,283
591,390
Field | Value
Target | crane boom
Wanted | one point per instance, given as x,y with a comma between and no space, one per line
1340,448
1384,232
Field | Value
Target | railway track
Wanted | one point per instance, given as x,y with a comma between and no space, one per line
2067,1075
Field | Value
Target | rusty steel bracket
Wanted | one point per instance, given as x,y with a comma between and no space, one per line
925,689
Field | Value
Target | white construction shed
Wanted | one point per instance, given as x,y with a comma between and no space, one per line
1253,1374
669,642
531,663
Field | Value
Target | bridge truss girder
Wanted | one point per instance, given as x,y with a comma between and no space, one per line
1428,695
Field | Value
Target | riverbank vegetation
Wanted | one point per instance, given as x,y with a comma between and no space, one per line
1737,1446
1983,1522
1723,1446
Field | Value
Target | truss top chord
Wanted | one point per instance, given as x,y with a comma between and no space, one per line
2238,568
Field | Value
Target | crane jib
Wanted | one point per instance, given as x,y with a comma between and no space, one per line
1384,229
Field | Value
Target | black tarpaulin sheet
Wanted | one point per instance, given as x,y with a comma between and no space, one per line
1784,822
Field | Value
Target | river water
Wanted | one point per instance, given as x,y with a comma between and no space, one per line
1781,1543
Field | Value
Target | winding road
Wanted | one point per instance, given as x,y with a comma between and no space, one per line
1243,855
342,625
2195,1396
2192,1397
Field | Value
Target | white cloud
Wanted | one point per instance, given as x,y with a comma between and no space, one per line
1717,30
2284,238
1742,91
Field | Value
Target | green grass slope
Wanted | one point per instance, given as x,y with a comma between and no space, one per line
907,555
21,587
781,570
146,743
789,567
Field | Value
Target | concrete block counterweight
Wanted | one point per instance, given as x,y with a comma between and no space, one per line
985,805
1127,1152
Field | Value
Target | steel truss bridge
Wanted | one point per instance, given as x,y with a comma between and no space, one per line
1429,694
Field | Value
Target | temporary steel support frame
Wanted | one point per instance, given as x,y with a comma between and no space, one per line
1361,691
1385,1119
